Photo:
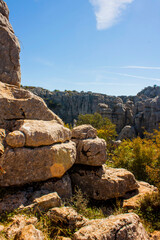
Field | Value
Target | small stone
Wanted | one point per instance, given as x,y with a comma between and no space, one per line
15,139
67,216
48,201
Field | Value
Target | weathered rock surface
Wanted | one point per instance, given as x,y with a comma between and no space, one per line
17,224
102,183
67,216
21,104
29,232
42,133
91,151
48,201
84,132
120,227
132,199
140,111
9,49
25,165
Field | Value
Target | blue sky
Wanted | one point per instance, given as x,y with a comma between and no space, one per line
105,46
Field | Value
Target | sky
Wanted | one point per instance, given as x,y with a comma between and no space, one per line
103,46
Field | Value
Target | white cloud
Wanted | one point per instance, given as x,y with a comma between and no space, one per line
141,67
134,76
108,11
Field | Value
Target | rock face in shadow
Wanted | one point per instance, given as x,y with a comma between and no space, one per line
140,111
9,49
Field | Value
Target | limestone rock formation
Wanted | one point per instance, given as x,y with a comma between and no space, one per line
9,49
140,111
120,227
91,150
102,183
25,165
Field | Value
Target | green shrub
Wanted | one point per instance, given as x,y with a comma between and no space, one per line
149,210
141,157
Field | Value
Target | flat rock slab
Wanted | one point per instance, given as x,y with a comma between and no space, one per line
102,183
120,227
42,133
26,165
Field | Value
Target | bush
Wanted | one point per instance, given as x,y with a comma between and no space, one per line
141,157
149,210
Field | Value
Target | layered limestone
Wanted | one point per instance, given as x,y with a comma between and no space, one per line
103,183
25,165
9,49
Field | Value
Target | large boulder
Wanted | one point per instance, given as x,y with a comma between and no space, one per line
91,150
102,183
120,227
25,165
9,49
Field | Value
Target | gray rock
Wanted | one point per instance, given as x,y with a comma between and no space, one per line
127,132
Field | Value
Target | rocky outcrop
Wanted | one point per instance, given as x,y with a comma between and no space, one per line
102,183
9,49
120,227
140,111
91,150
